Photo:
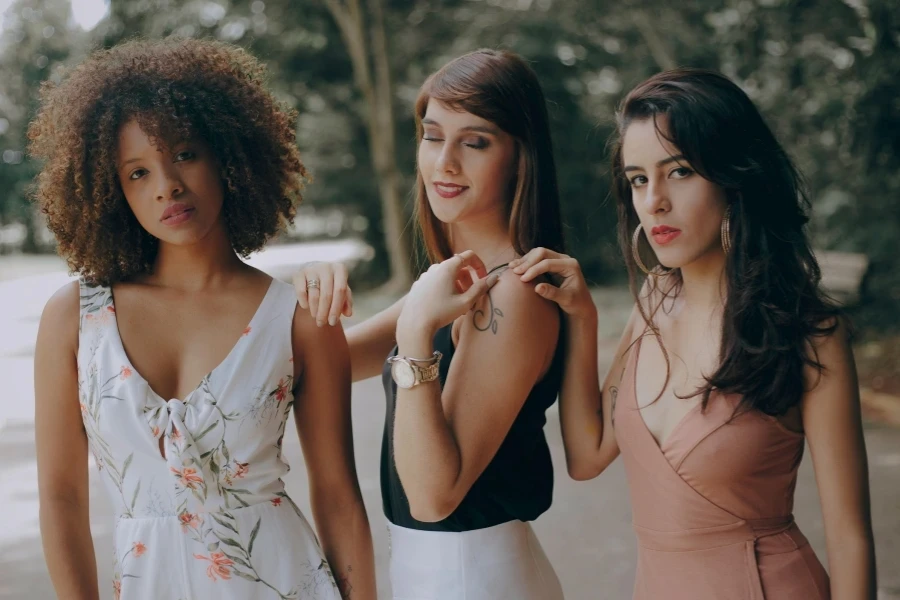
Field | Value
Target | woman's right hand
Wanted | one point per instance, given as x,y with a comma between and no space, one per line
571,292
328,300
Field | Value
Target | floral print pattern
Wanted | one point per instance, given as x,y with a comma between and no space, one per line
220,565
202,473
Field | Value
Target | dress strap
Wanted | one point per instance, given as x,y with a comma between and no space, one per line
95,304
272,325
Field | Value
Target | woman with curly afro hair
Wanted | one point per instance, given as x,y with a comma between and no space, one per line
174,362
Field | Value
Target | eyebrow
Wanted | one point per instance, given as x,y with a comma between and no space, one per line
475,128
128,162
662,163
186,142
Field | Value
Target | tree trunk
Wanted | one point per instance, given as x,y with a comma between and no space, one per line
657,46
377,92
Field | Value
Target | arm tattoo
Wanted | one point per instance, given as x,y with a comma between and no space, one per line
343,583
614,395
492,319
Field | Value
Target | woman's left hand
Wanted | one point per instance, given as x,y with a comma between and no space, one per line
445,291
572,295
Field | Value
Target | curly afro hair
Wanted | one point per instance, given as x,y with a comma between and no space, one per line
175,89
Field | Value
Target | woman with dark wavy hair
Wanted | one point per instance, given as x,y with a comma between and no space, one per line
173,362
474,357
731,359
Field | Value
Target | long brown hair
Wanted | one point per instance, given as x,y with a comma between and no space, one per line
774,305
500,87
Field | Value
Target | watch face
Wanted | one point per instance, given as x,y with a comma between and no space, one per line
403,374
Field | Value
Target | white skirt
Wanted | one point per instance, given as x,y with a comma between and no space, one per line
501,562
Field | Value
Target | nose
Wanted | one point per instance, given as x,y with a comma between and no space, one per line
447,161
169,184
656,201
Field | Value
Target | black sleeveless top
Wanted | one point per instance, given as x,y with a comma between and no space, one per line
518,482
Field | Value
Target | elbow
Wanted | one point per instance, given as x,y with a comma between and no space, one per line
581,470
431,509
62,516
64,501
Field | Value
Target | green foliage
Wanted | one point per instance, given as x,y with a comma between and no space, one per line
823,73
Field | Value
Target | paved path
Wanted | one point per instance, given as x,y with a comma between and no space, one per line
587,533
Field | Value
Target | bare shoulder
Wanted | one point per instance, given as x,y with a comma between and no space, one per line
60,315
305,329
838,335
309,340
833,349
64,301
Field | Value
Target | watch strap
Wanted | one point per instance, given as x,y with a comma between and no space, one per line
429,373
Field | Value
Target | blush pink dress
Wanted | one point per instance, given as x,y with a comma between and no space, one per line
712,505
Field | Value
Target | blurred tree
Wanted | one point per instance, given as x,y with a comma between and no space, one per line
37,40
871,221
365,38
824,75
315,63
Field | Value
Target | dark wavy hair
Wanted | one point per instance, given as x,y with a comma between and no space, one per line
500,87
774,305
175,89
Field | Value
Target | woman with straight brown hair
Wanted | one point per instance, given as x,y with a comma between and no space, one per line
474,357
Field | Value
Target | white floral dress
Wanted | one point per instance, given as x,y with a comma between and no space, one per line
209,518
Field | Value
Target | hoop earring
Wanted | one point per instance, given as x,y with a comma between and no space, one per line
726,230
637,256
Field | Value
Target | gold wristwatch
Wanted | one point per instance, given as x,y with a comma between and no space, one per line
409,372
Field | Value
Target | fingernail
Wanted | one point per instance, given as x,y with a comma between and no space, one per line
540,289
517,270
331,321
492,279
319,323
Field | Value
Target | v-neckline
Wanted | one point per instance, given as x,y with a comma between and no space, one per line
136,373
661,445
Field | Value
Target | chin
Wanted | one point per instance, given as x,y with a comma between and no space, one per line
181,238
672,260
178,240
680,260
445,216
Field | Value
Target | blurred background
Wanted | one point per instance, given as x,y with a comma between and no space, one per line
825,73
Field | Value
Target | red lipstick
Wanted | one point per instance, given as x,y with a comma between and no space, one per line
663,234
